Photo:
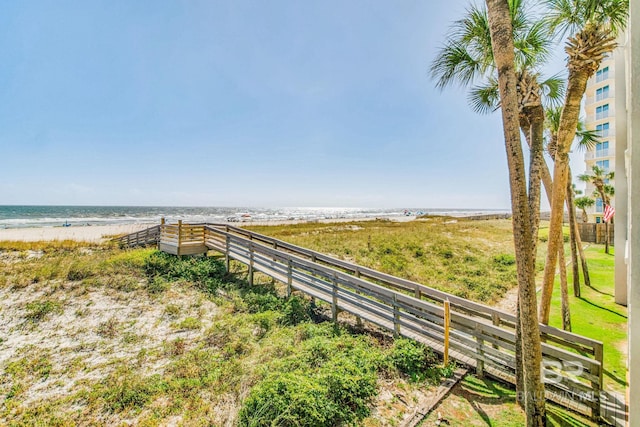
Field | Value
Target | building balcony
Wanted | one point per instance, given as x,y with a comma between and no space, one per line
597,154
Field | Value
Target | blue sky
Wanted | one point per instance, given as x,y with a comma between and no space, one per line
239,103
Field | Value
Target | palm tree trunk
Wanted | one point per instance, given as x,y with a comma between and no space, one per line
503,49
546,180
564,291
583,258
566,133
573,240
536,144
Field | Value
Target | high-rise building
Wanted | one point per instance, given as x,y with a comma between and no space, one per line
606,114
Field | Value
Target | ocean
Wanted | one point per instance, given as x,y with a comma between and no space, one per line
56,216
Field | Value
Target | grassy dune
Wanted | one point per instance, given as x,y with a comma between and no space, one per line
471,259
92,335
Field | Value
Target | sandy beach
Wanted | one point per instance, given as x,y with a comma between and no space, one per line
99,233
95,233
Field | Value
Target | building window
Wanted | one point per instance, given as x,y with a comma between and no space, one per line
602,149
602,130
599,207
602,93
598,220
604,165
602,74
602,112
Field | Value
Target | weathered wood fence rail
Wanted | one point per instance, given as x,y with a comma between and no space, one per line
479,336
144,237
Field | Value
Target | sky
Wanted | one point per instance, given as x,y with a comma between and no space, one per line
239,103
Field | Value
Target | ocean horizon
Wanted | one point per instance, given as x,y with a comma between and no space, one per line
25,216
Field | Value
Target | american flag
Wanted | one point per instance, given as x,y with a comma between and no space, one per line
608,213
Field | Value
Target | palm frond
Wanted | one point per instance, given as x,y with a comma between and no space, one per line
455,64
587,139
485,98
553,90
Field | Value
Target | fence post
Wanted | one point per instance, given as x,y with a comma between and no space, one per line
596,386
179,236
251,264
356,272
447,322
396,316
480,351
160,230
334,299
226,253
495,319
418,293
289,277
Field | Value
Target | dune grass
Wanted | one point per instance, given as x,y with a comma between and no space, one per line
596,315
471,259
98,335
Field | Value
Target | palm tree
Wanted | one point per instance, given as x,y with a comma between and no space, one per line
586,139
500,28
467,57
603,190
592,26
583,203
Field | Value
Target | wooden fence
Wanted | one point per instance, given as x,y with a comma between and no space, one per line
144,237
595,233
479,336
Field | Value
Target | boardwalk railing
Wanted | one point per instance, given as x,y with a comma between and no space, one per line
144,237
480,336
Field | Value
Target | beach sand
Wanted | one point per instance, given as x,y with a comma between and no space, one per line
100,233
95,233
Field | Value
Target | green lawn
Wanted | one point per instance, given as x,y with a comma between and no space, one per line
596,315
484,402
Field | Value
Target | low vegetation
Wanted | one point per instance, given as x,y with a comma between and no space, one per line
471,259
95,335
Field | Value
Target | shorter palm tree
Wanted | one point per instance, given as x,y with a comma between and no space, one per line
583,203
600,179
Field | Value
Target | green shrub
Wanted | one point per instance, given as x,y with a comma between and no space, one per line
351,387
289,399
204,272
412,358
295,310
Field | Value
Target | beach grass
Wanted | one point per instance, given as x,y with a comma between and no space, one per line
98,335
470,259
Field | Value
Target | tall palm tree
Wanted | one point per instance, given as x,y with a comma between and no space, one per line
603,190
583,203
467,58
502,45
592,27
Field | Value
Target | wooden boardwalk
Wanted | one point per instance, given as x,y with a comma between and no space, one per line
480,337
